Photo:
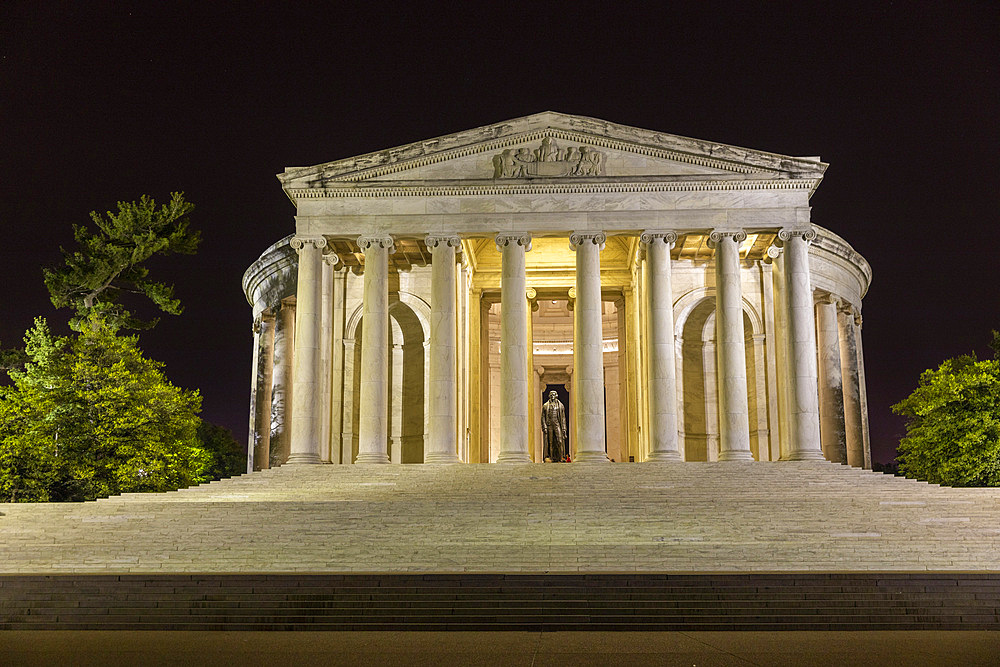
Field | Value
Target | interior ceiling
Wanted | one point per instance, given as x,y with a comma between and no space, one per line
553,251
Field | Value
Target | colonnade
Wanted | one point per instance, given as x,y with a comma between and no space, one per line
799,375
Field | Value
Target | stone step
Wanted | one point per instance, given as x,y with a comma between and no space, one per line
766,601
720,516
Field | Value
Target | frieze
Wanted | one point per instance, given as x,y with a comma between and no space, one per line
548,160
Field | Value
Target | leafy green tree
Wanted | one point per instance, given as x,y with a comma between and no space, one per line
89,416
953,424
29,460
227,456
108,262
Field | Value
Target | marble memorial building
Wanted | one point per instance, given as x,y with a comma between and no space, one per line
674,292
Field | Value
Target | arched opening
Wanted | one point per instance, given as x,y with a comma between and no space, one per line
699,434
407,373
406,385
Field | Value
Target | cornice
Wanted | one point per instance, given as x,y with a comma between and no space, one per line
548,188
505,142
593,131
277,258
830,242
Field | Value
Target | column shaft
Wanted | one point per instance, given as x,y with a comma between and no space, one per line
513,350
831,390
260,434
781,347
281,386
863,387
662,356
852,390
734,421
326,361
442,445
588,350
803,413
373,426
306,380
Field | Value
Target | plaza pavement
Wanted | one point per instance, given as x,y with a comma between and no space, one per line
534,649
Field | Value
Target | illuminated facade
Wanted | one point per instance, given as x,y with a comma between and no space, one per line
673,291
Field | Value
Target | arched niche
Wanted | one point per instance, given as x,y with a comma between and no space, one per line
407,374
697,375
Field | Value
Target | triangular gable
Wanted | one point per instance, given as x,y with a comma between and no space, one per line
548,146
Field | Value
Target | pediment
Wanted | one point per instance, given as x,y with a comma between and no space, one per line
551,148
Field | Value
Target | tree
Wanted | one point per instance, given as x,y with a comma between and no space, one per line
953,423
89,416
109,262
227,456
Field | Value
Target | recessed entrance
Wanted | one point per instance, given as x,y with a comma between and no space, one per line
551,361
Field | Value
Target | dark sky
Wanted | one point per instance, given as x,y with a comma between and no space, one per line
101,105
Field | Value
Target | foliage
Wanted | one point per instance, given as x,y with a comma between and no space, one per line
890,468
89,416
109,262
953,424
227,456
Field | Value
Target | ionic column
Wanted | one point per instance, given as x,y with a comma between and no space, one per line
325,355
373,426
513,349
781,346
260,426
734,420
831,391
863,385
803,410
281,387
588,348
660,339
306,387
442,444
854,427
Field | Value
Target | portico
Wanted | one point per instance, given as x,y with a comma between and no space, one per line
672,286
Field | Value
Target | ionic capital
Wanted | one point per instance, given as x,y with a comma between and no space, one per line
772,253
827,298
451,240
382,241
531,293
331,258
513,238
718,234
849,309
650,237
299,242
807,234
579,238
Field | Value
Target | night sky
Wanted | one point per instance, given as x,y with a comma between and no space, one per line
98,106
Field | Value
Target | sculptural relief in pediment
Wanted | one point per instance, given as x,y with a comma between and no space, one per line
550,157
548,160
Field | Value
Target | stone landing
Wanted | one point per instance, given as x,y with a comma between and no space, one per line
615,518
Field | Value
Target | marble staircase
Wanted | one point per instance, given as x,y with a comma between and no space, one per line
804,601
735,545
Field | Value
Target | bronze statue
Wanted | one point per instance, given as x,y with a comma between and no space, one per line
554,428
